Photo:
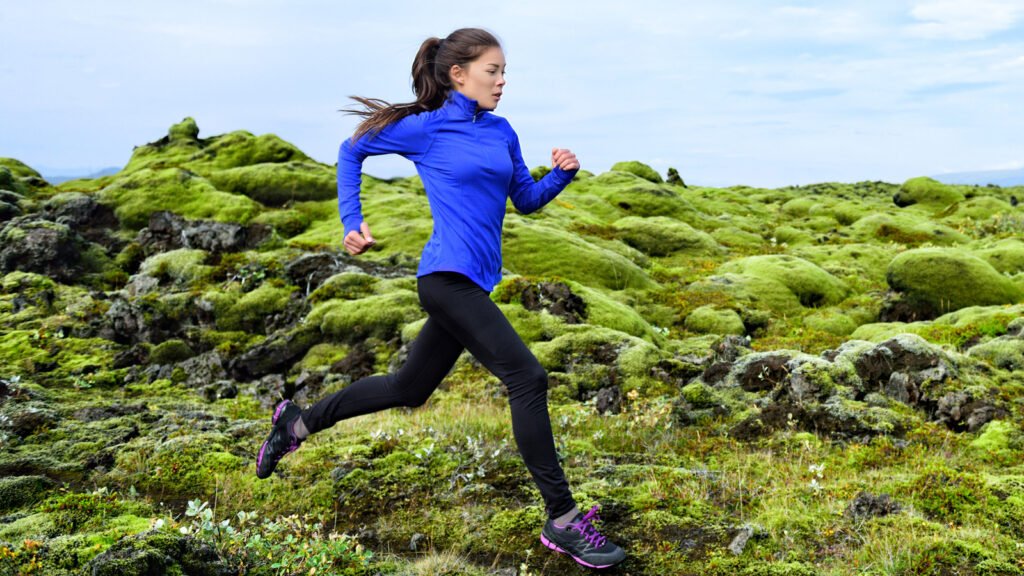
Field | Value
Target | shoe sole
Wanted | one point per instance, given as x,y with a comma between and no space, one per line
557,548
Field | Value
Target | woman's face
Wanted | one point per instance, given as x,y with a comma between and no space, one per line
482,79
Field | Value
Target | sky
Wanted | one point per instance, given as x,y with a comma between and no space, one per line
728,92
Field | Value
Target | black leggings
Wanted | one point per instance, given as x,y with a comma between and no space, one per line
462,316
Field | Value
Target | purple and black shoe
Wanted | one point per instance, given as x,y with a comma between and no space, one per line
281,441
580,540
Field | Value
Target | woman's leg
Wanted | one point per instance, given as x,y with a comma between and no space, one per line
431,356
466,311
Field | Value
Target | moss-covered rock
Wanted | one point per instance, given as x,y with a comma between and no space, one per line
19,491
638,168
910,229
661,236
1006,255
380,315
534,249
170,352
252,310
809,283
924,190
181,267
140,193
158,552
936,280
276,184
711,320
1004,353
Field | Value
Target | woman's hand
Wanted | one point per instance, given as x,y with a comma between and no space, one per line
564,159
356,243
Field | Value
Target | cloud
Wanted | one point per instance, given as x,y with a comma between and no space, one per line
958,20
951,88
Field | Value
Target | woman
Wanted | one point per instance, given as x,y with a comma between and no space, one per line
470,163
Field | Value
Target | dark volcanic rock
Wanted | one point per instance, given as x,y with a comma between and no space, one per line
275,355
357,364
764,373
156,553
30,244
556,298
168,231
866,505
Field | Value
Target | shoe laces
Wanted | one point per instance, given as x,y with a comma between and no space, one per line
586,527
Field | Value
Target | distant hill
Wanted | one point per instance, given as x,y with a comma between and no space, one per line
997,177
58,175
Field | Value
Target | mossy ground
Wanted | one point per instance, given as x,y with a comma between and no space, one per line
91,453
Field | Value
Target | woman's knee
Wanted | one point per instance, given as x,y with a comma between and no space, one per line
533,381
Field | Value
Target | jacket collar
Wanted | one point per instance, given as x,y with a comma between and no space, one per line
464,106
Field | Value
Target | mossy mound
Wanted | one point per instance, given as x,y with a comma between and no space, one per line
924,190
17,169
533,249
381,315
661,236
811,285
711,320
936,280
182,267
182,147
1006,255
907,229
639,169
1004,353
136,196
276,184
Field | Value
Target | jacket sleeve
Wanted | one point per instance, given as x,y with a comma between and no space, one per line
407,137
529,196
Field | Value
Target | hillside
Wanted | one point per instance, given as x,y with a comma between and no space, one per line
822,379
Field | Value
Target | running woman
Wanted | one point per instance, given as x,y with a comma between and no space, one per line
470,162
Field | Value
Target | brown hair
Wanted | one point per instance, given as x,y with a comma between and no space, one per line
430,80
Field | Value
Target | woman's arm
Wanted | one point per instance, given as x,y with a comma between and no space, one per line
529,196
407,137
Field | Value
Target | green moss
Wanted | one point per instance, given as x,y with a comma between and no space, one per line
287,223
17,169
140,193
345,286
19,491
251,311
904,228
182,266
353,320
1006,354
999,441
1006,255
831,321
943,280
711,320
661,236
533,249
170,352
323,355
809,283
275,184
924,190
639,169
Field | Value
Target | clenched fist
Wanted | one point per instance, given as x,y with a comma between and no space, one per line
358,242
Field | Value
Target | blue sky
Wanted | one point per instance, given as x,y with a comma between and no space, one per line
727,92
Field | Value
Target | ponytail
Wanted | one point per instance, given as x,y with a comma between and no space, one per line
430,80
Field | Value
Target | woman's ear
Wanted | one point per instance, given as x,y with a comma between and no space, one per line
457,74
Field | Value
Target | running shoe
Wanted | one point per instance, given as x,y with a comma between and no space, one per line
581,540
281,440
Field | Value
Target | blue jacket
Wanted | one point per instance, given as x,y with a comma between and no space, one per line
470,163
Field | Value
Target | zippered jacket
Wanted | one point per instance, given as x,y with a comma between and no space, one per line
470,163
